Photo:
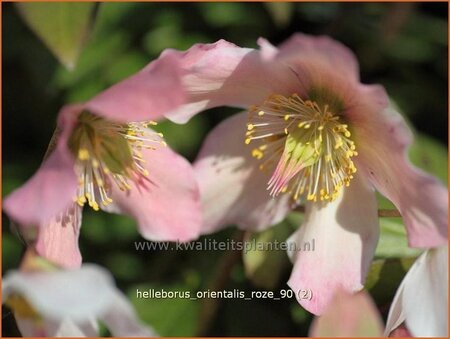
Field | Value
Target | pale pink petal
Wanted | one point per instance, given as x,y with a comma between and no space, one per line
422,298
48,328
348,316
345,233
57,241
382,140
71,301
233,189
223,74
122,321
267,50
88,290
400,332
166,204
146,95
48,192
321,50
325,70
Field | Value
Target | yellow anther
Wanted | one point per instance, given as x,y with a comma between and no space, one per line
256,153
83,154
316,163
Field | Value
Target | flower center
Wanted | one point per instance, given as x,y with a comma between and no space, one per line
309,144
109,153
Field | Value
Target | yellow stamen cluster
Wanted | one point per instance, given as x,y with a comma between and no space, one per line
307,144
109,153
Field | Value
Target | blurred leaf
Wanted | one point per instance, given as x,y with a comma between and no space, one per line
104,228
220,14
409,48
348,315
299,314
385,276
170,36
63,27
281,12
124,266
263,266
319,12
186,138
393,242
429,28
170,317
430,155
125,65
96,56
11,251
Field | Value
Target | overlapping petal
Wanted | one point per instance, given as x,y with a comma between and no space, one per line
223,74
146,95
166,205
345,232
420,198
232,187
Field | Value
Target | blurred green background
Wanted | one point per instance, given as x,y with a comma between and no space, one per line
402,46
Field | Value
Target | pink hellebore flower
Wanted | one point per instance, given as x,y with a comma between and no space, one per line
69,303
312,131
106,156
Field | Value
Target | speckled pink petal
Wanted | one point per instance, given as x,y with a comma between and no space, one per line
57,241
345,234
146,95
233,189
166,204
